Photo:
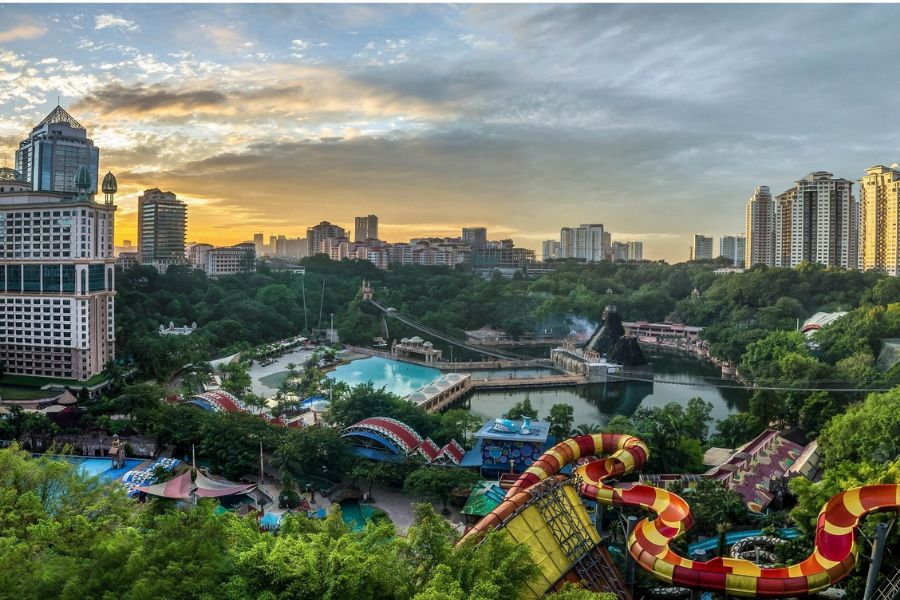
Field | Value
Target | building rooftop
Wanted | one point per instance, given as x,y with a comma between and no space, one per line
59,115
540,430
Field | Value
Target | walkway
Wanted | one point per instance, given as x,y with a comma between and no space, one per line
398,506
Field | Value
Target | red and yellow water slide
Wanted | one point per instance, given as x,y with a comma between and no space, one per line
832,559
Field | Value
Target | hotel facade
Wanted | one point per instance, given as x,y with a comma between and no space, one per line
57,280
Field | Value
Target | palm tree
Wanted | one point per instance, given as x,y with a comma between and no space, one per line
588,428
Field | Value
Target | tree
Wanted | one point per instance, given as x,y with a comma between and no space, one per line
867,432
140,400
439,483
588,428
737,429
236,378
697,417
561,419
374,472
716,509
522,409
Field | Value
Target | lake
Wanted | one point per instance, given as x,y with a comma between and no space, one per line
675,379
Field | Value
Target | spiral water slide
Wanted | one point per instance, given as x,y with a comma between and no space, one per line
832,559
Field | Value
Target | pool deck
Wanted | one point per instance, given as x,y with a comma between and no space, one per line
398,507
258,371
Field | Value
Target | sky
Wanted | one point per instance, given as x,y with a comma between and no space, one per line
656,120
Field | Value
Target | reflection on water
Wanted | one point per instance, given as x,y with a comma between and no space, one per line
675,379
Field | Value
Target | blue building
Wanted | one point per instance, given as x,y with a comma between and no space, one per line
51,155
505,446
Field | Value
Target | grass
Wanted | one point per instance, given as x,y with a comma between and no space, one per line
38,382
14,392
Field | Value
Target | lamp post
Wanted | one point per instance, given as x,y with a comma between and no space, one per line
331,331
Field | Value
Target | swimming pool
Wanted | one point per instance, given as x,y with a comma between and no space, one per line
102,467
398,377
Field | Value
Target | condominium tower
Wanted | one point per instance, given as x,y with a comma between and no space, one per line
733,247
760,228
702,248
816,221
550,249
317,234
585,242
879,208
57,277
366,228
162,219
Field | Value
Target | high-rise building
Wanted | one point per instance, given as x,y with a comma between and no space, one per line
316,235
585,242
879,216
280,248
162,219
635,250
258,244
702,248
816,221
550,249
619,251
57,278
366,228
607,245
53,152
760,228
476,237
733,247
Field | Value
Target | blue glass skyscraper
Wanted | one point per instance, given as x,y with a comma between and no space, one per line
53,152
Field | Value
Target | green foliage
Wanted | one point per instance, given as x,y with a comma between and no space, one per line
867,432
561,419
439,483
573,592
669,434
522,409
736,429
66,536
716,508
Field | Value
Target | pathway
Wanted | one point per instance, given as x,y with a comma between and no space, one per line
399,508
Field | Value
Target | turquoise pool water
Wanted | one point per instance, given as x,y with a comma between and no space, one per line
398,377
102,467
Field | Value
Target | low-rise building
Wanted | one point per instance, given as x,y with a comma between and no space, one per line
224,260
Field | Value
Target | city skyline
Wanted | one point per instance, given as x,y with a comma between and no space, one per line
521,119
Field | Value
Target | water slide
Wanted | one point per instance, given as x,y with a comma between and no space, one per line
833,557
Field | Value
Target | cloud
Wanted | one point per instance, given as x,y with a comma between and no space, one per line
118,99
108,21
25,31
258,92
226,39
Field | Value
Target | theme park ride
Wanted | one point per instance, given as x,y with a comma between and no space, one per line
566,545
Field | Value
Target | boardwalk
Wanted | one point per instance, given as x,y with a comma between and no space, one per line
528,382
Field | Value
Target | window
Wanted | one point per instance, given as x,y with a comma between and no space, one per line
31,278
68,278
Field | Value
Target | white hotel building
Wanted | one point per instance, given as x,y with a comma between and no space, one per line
57,279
